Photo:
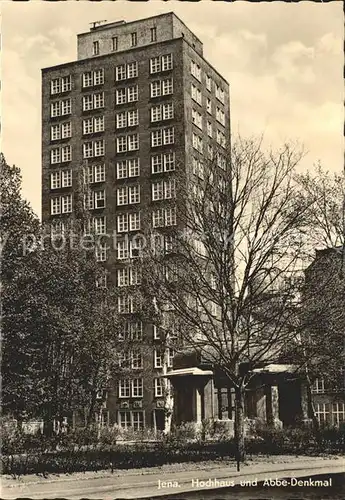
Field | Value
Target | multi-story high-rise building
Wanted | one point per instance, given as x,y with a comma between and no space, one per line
139,105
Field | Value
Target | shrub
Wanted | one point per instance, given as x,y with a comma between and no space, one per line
185,433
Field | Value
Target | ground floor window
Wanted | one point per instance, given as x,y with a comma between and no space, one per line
322,412
338,413
330,413
131,419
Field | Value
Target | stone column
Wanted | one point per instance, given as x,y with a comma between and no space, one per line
304,404
272,406
260,397
197,407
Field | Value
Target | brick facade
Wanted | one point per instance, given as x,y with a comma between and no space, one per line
67,82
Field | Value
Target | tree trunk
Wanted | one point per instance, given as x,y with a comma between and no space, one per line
239,426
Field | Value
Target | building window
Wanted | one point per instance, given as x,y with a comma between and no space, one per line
61,204
94,173
133,194
210,153
91,78
133,39
171,355
127,119
208,106
132,69
133,118
170,216
322,412
162,137
158,191
155,65
198,168
197,118
99,225
197,143
138,420
125,305
169,189
114,43
55,86
122,223
209,129
318,386
61,178
220,138
137,360
94,148
95,200
159,387
161,87
220,94
338,414
134,221
61,108
169,162
167,62
208,83
59,85
127,143
164,217
131,419
195,70
136,330
221,161
61,131
101,253
153,34
196,94
96,48
123,71
220,116
157,358
93,125
93,101
163,190
122,196
124,419
62,154
158,218
128,195
122,250
161,63
128,168
162,112
124,389
58,227
121,95
123,277
132,94
137,388
120,72
133,142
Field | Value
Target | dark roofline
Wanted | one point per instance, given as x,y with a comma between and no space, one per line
171,13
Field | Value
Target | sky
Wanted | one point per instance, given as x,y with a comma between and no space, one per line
284,63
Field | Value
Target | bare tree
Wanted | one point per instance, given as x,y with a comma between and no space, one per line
236,243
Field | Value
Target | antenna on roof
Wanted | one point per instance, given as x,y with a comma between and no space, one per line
97,23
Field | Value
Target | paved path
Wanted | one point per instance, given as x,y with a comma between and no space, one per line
134,486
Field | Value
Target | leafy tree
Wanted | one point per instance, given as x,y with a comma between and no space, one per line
18,223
